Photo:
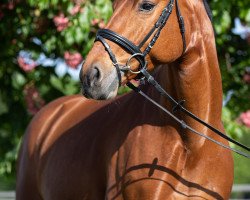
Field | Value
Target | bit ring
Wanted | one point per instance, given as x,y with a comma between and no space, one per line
129,60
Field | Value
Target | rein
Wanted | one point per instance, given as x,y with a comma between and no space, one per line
179,106
136,53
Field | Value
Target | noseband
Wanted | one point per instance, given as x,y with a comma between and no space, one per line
136,53
135,50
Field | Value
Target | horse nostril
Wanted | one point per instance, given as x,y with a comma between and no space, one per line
96,73
94,76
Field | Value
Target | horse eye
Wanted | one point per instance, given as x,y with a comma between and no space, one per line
147,6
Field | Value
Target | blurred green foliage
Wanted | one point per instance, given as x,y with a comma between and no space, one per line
233,51
22,21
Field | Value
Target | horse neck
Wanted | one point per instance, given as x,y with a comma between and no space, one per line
197,80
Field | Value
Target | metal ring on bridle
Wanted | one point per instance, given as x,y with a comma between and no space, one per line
134,56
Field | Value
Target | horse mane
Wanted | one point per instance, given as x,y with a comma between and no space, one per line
208,9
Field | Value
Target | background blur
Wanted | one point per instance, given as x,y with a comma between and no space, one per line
43,43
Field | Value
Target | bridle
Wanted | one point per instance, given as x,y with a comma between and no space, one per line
136,53
135,50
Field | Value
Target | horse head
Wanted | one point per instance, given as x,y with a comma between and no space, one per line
125,44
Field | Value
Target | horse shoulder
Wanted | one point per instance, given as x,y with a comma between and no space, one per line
46,127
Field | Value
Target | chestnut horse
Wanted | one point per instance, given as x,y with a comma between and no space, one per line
125,147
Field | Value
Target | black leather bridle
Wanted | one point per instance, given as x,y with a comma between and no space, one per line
135,50
136,53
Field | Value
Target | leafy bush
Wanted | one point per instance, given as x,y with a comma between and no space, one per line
42,44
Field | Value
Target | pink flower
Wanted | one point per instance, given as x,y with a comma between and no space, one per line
27,66
248,39
76,9
61,22
79,1
1,14
11,5
245,118
13,41
97,22
101,24
33,99
94,22
73,59
246,78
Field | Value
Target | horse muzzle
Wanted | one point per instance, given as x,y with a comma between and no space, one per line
98,83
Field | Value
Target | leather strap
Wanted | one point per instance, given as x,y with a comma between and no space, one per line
120,40
131,48
111,55
182,26
185,126
160,22
179,106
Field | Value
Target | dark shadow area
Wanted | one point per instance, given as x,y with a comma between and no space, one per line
87,147
154,166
